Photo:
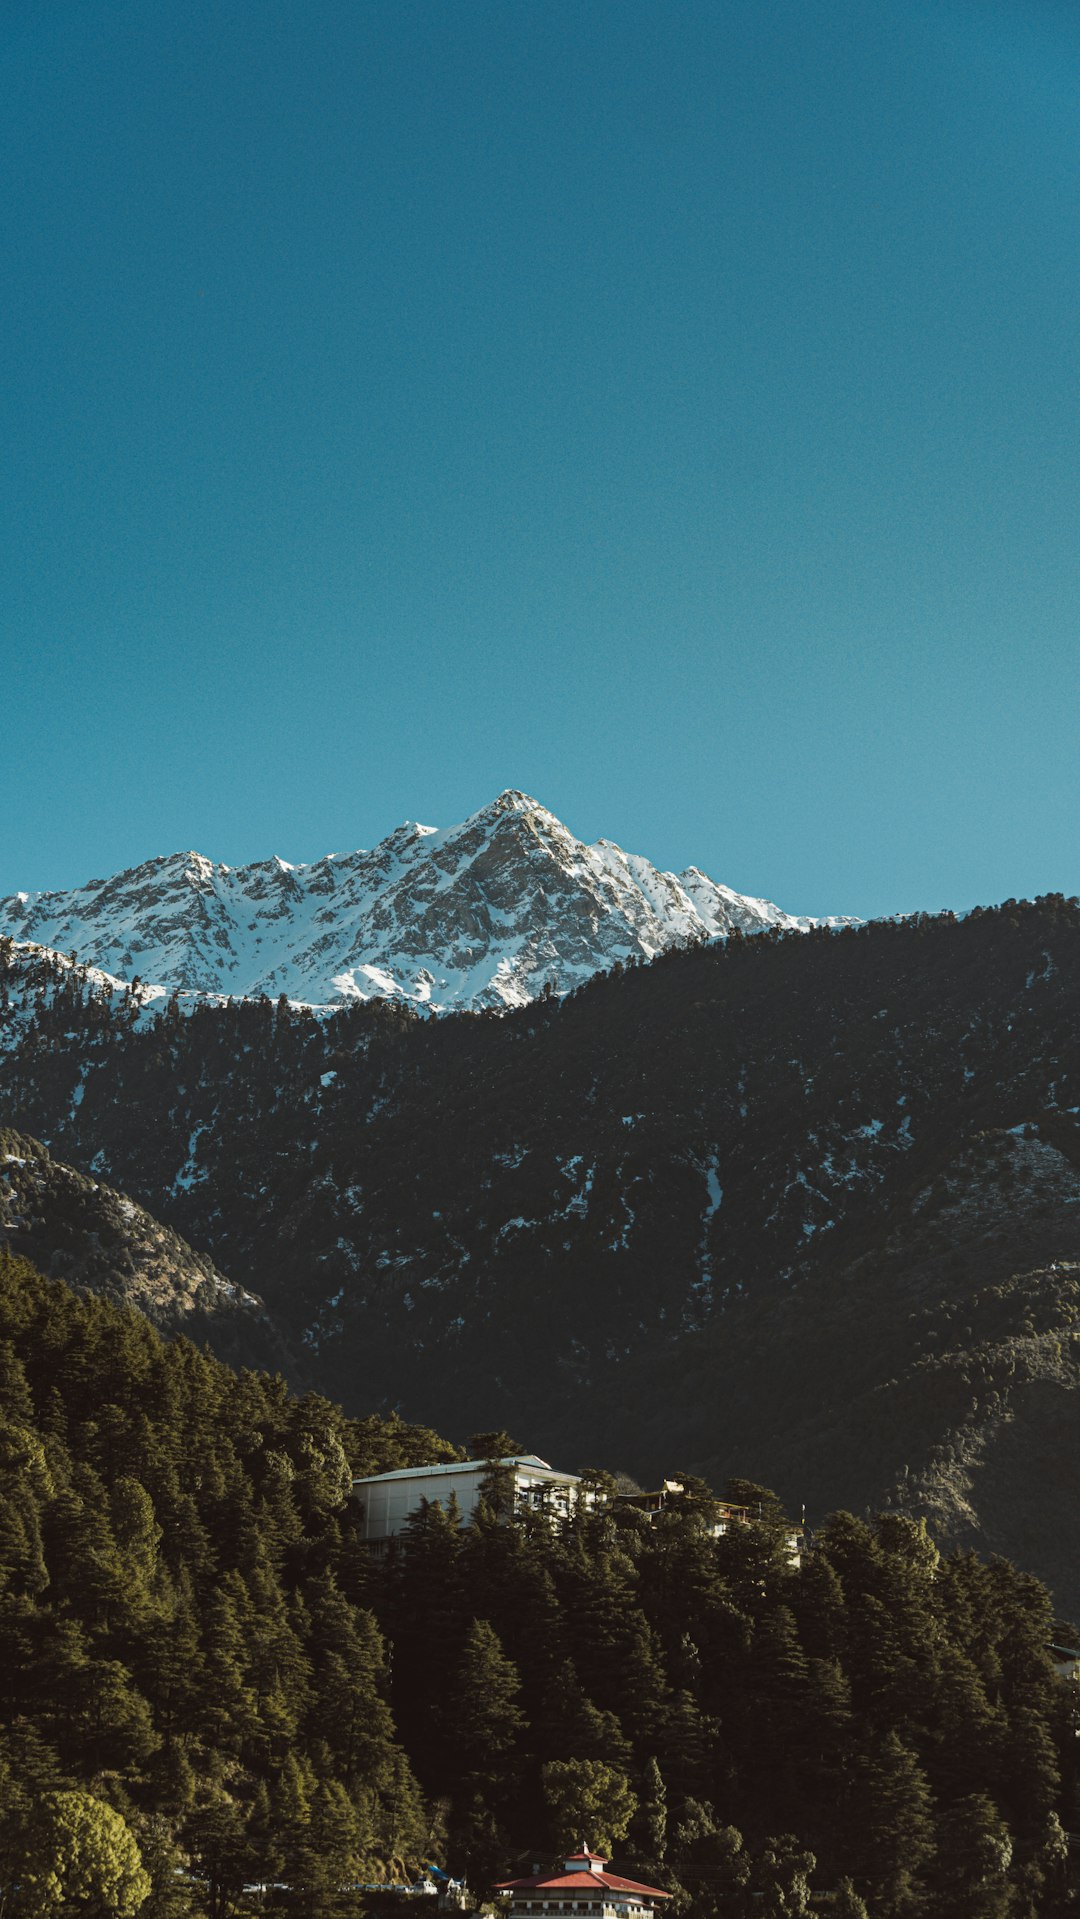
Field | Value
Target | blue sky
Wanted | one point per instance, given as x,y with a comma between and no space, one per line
668,408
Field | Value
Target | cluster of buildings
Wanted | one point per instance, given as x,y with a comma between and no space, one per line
388,1500
583,1888
578,1887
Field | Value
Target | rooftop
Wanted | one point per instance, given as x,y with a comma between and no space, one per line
528,1462
571,1880
587,1881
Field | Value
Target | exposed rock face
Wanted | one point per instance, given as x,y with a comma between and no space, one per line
99,1241
488,913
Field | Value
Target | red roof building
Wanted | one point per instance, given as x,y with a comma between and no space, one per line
582,1888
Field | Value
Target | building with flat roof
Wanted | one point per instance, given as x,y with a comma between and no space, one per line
388,1499
582,1888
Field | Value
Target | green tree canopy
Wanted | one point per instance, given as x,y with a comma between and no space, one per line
589,1804
77,1856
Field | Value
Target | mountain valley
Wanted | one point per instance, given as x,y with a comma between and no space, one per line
800,1207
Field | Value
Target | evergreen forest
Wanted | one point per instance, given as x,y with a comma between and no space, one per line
217,1700
801,1207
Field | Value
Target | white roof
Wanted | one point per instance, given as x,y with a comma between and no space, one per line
527,1461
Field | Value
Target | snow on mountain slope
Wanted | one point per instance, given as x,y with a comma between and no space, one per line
41,978
489,913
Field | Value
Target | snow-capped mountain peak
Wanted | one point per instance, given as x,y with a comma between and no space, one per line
487,913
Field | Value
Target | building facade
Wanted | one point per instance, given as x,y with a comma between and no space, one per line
387,1500
725,1515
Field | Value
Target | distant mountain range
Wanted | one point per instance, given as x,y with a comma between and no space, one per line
490,913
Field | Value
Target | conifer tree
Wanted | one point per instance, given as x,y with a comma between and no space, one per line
217,1845
847,1903
974,1855
164,1864
570,1724
482,1720
229,1708
893,1828
651,1823
588,1803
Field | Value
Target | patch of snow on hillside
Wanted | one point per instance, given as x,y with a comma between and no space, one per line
518,1225
702,1287
191,1174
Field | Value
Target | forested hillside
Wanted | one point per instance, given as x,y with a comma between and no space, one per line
810,1198
180,1600
191,1634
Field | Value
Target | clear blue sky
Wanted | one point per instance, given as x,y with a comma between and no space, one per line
666,407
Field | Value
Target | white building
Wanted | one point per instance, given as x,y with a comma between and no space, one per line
388,1499
582,1889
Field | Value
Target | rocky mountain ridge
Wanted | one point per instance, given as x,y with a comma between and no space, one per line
98,1240
493,912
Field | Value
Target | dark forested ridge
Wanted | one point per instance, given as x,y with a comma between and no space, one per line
192,1636
810,1200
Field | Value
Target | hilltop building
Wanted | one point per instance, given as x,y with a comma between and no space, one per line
1066,1660
388,1499
582,1889
725,1515
652,1503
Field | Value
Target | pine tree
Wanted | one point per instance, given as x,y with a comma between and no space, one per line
847,1903
570,1726
164,1864
968,1733
348,1706
588,1802
230,1711
423,1612
217,1845
892,1827
651,1824
975,1852
482,1721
